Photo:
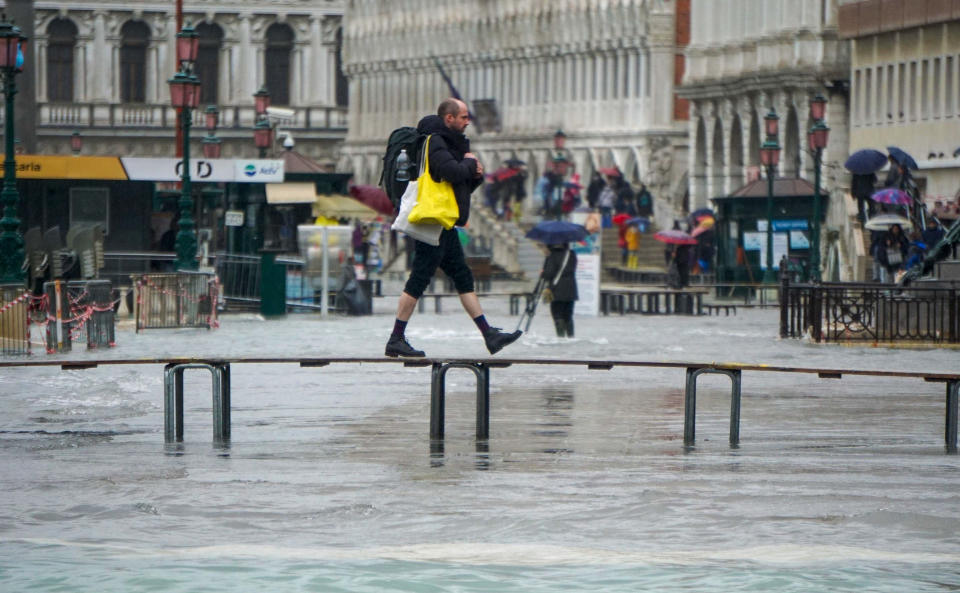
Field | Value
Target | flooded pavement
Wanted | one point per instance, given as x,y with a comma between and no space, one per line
330,482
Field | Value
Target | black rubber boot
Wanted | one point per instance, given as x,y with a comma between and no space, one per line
496,339
569,326
399,346
561,327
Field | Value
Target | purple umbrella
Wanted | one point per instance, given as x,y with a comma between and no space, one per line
674,237
892,195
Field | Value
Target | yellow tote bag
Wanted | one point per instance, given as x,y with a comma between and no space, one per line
436,202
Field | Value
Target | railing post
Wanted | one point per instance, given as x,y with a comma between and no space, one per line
690,408
950,433
784,305
437,400
169,404
953,332
816,312
483,401
735,379
178,399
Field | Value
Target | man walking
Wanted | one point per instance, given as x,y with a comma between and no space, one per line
450,160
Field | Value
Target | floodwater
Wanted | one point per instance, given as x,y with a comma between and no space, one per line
330,482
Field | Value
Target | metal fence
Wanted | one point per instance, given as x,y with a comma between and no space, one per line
841,312
174,300
14,319
78,311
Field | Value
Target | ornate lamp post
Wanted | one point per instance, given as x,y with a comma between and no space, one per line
263,136
211,144
262,131
770,157
261,100
818,136
76,143
12,46
185,95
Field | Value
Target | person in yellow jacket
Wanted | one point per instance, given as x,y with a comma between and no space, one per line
632,238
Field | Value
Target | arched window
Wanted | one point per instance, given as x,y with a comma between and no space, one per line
62,35
277,63
207,67
134,38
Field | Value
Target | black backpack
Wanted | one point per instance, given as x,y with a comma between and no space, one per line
402,138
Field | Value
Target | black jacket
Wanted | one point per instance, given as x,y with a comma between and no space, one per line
447,163
566,287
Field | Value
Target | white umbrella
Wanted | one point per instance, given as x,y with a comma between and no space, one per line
882,222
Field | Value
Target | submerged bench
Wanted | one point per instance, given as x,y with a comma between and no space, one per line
220,371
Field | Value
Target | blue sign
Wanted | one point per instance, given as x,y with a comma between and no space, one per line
799,224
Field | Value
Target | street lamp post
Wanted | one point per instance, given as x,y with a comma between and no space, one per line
262,130
211,144
185,95
263,136
818,136
76,143
770,157
12,44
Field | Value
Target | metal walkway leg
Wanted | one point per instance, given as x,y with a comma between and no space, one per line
438,397
950,432
173,400
690,402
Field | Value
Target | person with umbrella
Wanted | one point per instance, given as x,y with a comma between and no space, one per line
560,286
677,254
864,164
558,278
892,252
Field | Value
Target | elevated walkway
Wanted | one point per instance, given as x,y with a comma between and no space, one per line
220,370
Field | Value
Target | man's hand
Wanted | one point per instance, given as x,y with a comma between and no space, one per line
470,155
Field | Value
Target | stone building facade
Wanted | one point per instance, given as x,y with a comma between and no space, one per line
602,71
746,56
905,85
101,69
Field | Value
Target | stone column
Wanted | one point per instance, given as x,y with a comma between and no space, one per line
248,63
99,62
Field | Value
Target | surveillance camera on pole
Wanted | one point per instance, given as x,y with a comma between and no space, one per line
280,115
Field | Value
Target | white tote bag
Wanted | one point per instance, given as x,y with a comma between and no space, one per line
427,233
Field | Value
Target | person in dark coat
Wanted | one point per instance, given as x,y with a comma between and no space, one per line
450,160
894,242
559,274
644,201
861,187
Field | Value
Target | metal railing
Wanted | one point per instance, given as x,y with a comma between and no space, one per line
175,300
842,312
14,320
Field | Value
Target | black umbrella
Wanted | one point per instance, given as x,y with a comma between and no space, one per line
557,232
902,157
865,162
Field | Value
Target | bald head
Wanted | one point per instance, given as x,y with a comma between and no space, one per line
454,114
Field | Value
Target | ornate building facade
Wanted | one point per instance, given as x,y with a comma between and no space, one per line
746,56
101,69
905,85
602,71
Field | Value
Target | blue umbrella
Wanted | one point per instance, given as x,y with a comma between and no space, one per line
557,232
902,157
865,162
641,222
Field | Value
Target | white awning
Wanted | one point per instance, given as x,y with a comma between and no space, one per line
291,193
